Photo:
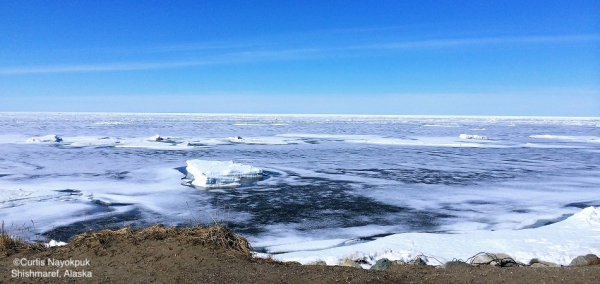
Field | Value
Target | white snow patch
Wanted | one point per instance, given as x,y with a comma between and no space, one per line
54,243
219,174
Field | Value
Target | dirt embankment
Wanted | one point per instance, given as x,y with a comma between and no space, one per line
215,255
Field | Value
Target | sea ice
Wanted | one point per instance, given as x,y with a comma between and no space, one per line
473,136
568,138
263,140
84,141
559,243
44,139
158,138
215,174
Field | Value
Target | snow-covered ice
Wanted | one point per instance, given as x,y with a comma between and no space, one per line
593,139
275,140
559,243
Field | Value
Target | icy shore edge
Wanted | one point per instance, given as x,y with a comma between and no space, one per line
558,243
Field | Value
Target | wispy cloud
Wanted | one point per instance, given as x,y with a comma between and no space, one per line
464,42
221,59
251,53
94,67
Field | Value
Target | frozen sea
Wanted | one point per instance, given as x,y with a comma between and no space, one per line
331,181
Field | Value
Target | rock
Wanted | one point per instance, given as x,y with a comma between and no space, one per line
507,263
382,264
318,262
350,263
540,263
494,259
398,262
455,264
417,261
585,260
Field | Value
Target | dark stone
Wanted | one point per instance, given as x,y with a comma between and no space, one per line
585,260
417,261
382,264
540,263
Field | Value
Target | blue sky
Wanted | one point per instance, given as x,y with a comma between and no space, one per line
352,57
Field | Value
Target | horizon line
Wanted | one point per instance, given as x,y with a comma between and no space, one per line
297,114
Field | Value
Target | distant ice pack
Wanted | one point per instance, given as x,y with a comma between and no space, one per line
473,136
220,174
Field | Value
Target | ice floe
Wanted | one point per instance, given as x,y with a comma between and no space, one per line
263,140
51,138
90,141
595,139
427,141
220,174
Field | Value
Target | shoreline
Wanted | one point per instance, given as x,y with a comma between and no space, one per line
215,254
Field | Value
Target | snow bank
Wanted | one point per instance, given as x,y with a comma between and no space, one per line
44,139
473,136
211,174
559,243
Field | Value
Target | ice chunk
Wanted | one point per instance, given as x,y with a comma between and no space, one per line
44,139
473,136
211,174
236,139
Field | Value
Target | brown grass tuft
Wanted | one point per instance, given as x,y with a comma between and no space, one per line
13,244
216,236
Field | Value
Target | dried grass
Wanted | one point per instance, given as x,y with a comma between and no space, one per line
215,236
10,244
